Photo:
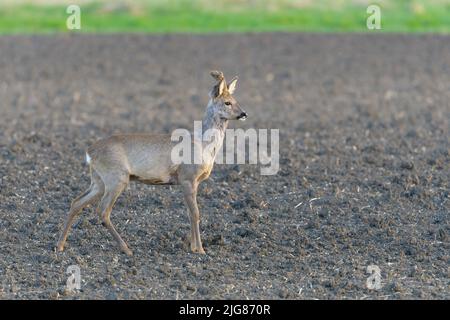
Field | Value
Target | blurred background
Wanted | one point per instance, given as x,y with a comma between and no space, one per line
47,16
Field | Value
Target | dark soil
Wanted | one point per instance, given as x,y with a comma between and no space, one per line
364,174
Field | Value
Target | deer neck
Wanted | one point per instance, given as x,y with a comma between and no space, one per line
213,123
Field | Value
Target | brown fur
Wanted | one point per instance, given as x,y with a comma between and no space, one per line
119,159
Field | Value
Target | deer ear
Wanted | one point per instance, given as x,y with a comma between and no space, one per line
232,85
221,88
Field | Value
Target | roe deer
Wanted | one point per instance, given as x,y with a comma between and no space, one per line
147,158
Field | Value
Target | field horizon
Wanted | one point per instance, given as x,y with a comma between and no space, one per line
182,16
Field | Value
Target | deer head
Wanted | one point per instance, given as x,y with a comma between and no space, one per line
222,101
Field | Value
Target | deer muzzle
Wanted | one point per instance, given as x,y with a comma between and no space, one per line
242,116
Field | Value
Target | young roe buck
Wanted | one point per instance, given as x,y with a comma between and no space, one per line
147,158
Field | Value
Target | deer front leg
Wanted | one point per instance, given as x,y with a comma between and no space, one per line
190,196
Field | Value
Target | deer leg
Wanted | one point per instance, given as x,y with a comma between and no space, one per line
190,196
105,208
89,196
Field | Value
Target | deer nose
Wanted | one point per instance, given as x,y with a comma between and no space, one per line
242,116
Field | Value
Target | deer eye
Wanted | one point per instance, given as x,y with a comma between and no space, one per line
228,103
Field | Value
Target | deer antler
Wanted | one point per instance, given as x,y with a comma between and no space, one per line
218,75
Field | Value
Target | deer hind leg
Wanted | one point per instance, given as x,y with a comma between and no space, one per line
190,197
91,195
113,189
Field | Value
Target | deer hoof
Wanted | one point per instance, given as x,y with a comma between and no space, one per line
128,252
198,250
59,247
